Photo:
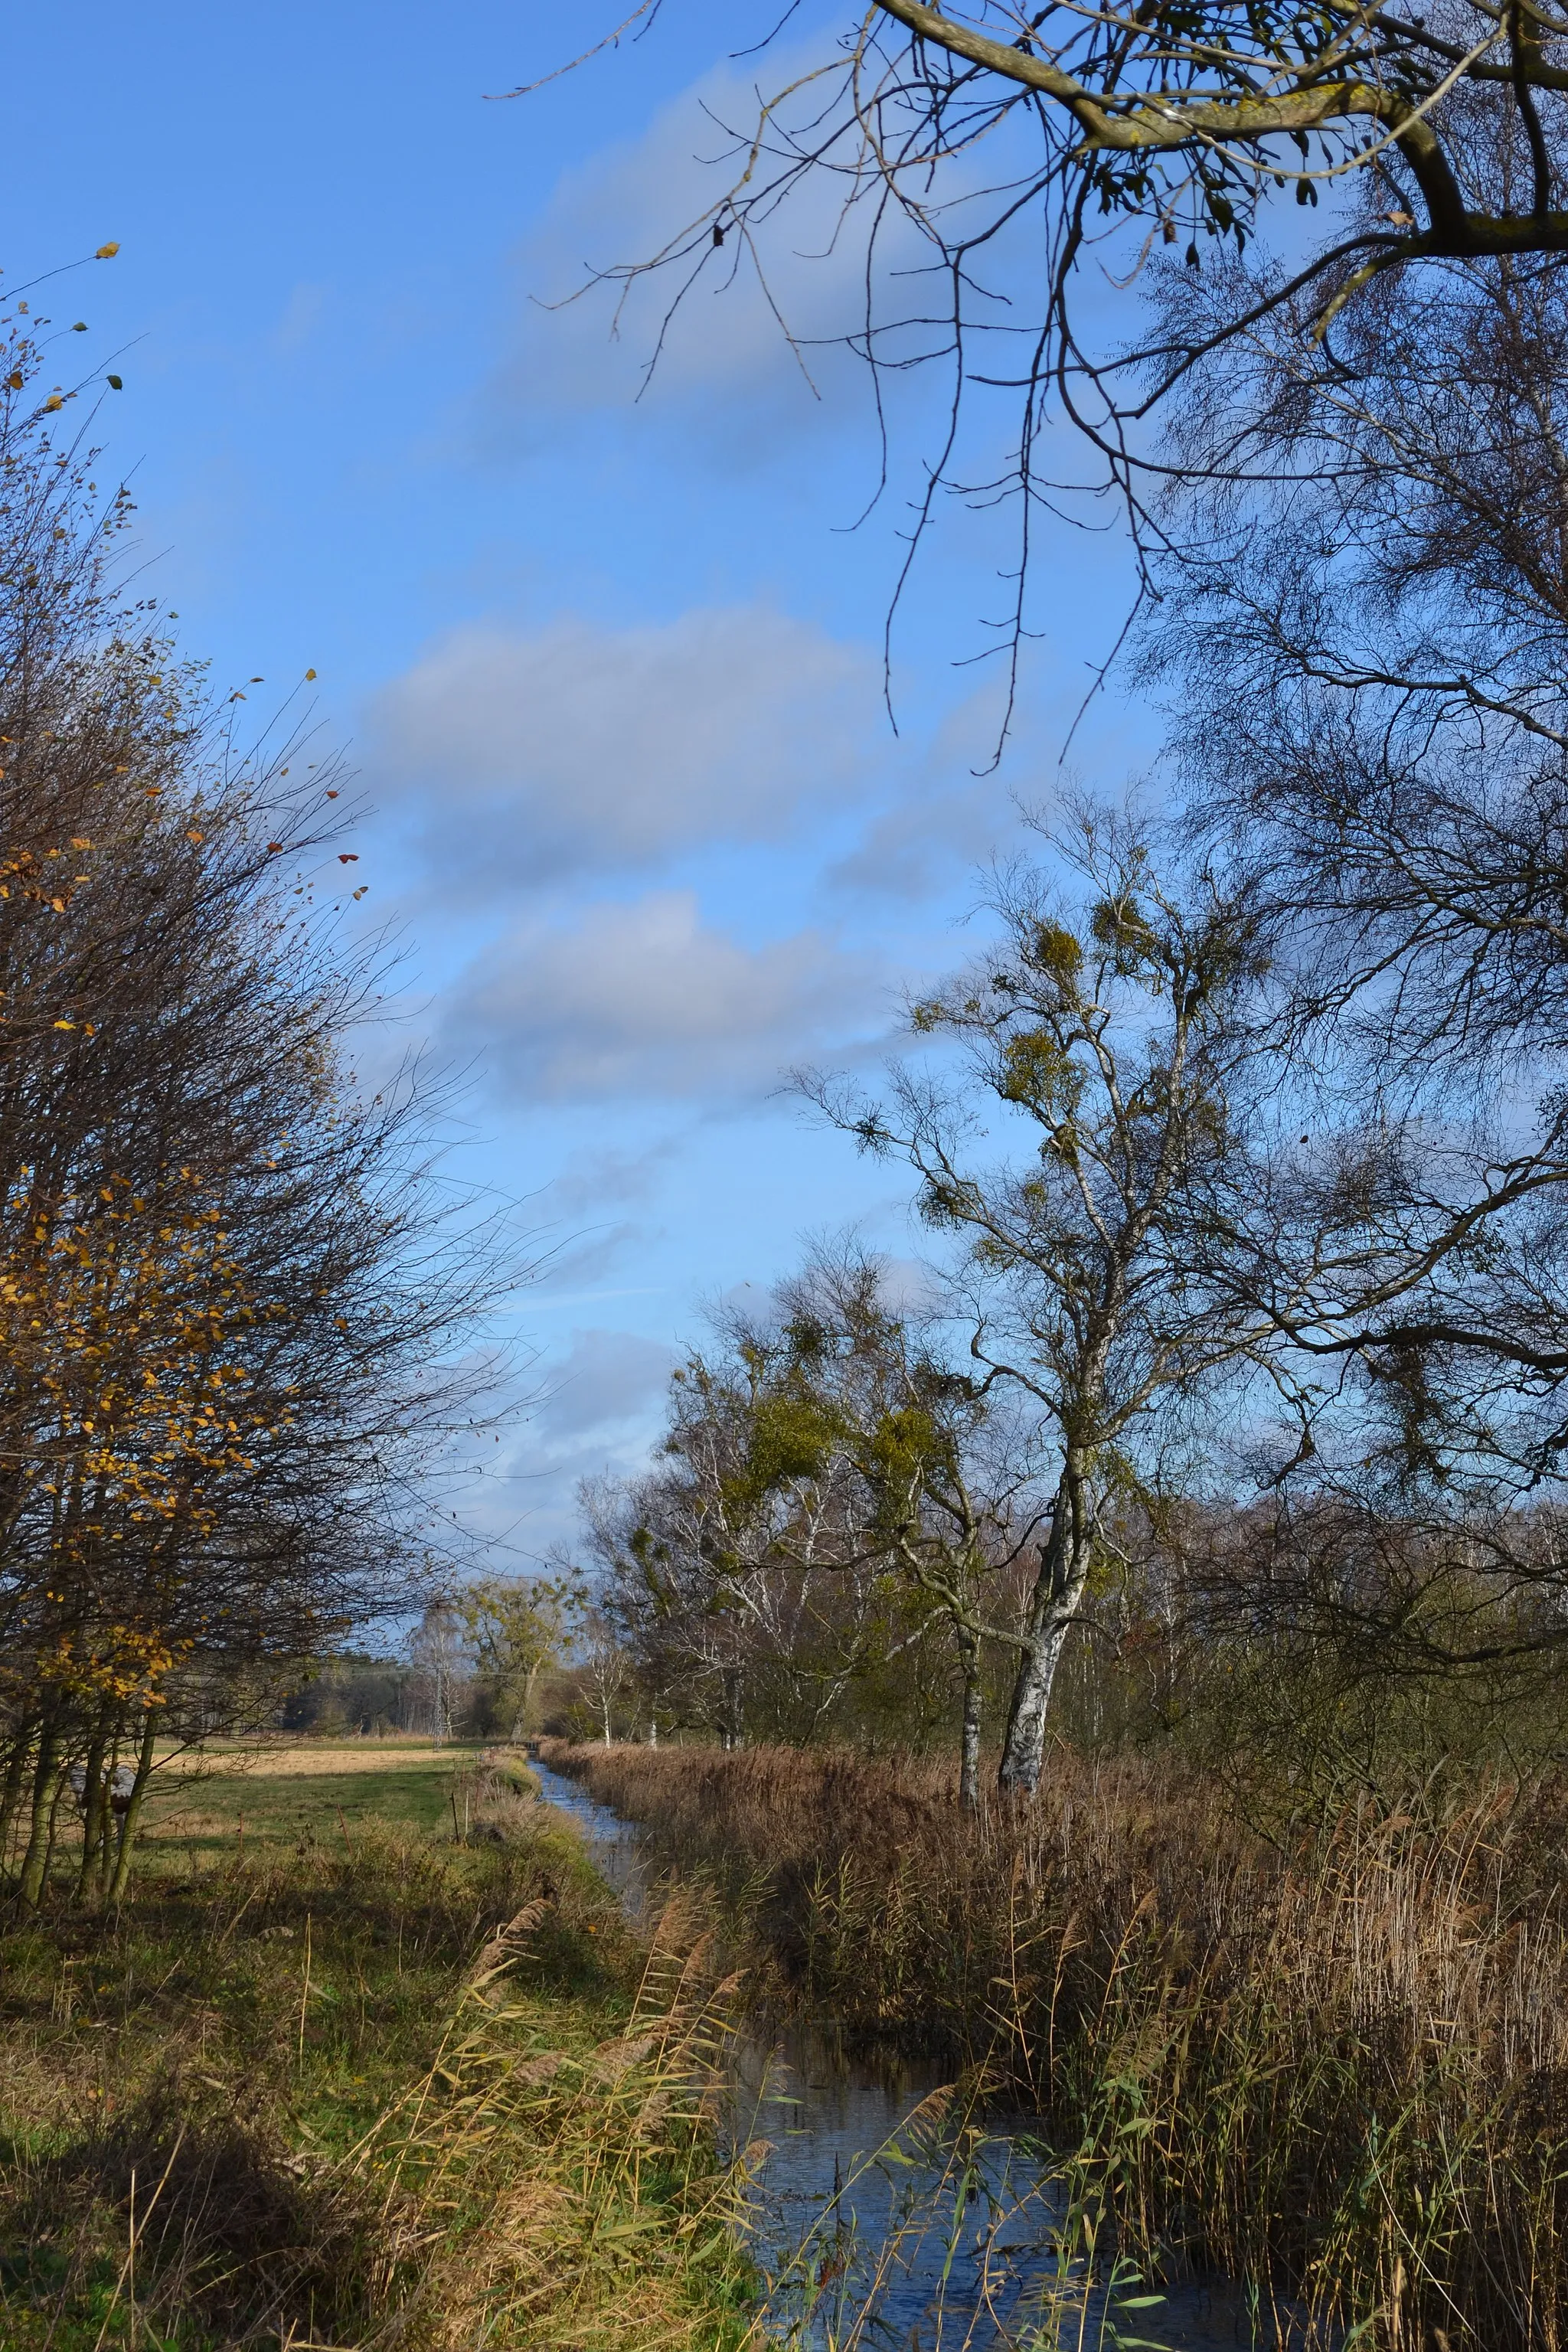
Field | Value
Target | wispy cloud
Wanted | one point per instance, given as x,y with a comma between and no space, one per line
646,1001
520,756
604,1379
765,318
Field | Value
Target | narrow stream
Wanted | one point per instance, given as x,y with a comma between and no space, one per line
884,2228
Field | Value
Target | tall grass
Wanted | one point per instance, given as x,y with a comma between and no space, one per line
366,2089
568,2189
1338,2073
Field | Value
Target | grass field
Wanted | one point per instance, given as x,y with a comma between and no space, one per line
275,1793
338,2076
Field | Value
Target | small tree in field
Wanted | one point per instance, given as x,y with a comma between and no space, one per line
516,1628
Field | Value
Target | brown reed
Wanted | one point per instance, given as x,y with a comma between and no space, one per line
1338,2073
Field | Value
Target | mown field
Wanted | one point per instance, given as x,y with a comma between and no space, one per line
305,1789
369,2056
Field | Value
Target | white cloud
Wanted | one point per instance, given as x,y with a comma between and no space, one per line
745,348
529,754
642,1000
926,842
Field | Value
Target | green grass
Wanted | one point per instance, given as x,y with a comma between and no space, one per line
209,1815
273,2093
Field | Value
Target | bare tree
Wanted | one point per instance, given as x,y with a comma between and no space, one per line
1369,578
1364,572
441,1660
606,1669
984,158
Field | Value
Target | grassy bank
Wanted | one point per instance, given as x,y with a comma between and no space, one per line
1339,2073
335,2075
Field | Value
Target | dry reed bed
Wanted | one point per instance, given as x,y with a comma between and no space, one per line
1339,2072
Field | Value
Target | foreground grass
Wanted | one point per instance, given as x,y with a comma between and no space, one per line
334,2077
1337,2073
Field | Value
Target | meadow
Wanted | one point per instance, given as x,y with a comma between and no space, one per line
368,2057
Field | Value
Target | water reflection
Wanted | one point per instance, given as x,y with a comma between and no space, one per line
615,1845
882,2214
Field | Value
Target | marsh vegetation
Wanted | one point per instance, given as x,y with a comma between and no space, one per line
1116,1658
1329,2070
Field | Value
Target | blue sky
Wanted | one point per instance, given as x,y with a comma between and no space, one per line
608,671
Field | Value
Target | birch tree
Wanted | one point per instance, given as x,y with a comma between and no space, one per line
1094,1272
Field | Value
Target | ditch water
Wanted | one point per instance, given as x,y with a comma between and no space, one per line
881,2225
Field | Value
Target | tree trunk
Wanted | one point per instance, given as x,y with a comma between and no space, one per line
94,1808
1058,1588
54,1822
733,1726
969,1746
105,1855
133,1810
520,1720
11,1795
46,1784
